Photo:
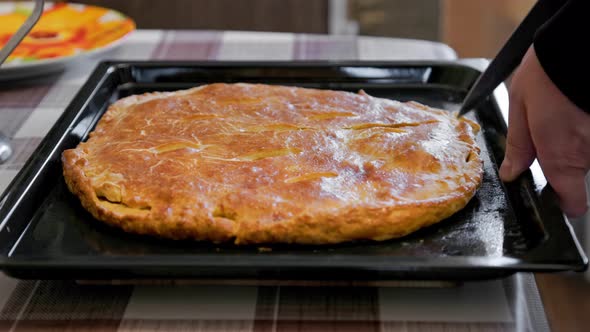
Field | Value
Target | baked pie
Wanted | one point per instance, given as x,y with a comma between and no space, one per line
254,163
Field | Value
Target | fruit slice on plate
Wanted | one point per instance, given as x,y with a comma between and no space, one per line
63,30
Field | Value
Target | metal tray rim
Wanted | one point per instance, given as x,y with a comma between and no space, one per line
93,83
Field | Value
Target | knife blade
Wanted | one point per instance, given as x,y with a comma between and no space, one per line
510,54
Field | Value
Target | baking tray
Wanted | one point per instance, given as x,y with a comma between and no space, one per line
45,233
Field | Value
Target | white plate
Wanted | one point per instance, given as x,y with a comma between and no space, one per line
17,69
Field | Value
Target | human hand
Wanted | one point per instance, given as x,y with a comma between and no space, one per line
545,124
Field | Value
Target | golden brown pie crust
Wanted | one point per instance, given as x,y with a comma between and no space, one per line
269,164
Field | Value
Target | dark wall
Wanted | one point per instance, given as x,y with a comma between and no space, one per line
418,19
308,16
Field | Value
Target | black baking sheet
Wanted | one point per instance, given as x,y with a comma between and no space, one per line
45,233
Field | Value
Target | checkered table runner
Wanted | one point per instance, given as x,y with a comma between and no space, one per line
29,108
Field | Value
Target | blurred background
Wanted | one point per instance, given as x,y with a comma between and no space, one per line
474,28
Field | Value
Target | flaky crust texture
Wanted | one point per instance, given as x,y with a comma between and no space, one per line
273,164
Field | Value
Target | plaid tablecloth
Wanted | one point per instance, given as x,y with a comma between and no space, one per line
29,108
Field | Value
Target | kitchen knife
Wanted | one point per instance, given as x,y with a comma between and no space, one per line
511,54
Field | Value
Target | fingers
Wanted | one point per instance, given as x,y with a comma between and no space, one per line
544,123
570,186
520,151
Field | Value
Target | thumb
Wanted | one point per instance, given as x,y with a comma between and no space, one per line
520,151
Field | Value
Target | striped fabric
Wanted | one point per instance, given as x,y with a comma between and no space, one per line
28,109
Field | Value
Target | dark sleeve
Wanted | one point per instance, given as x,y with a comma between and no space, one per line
563,48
